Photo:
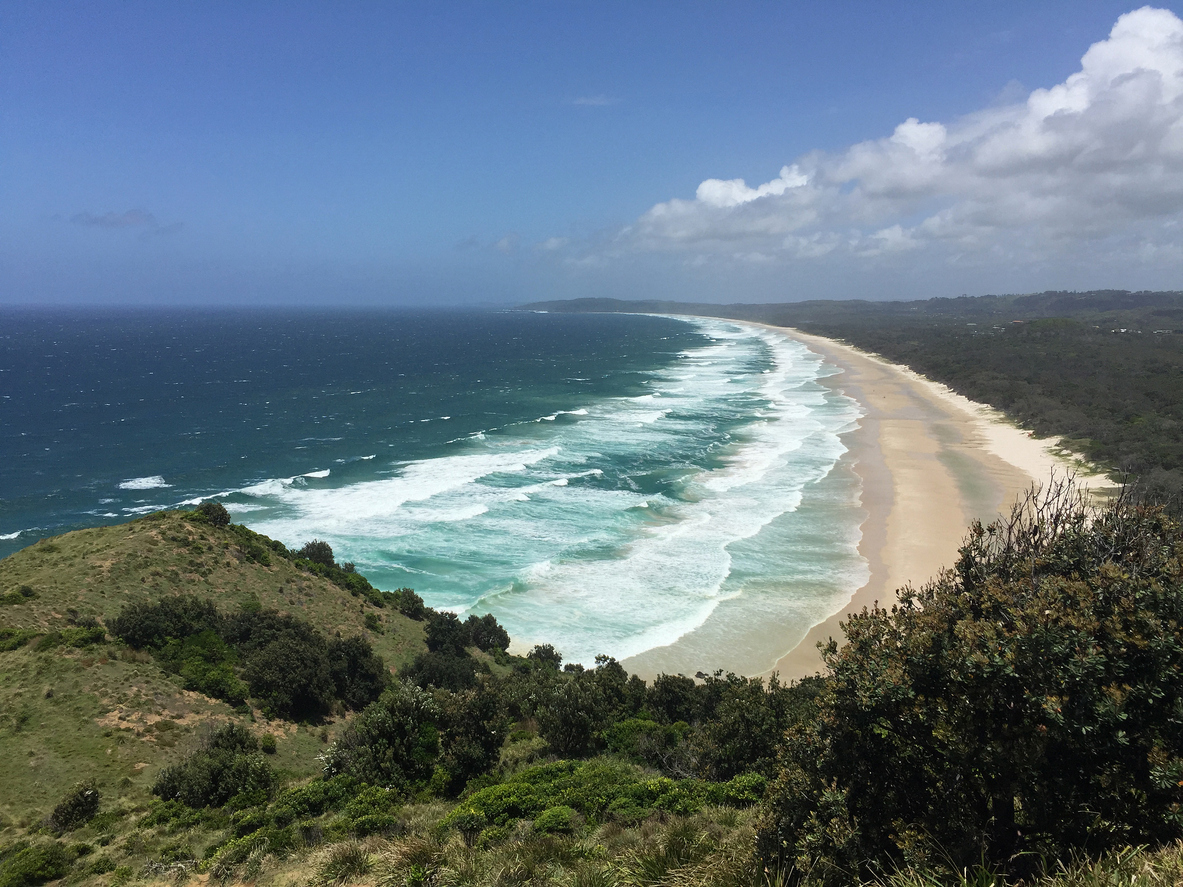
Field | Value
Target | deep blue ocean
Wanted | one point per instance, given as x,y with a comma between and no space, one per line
605,483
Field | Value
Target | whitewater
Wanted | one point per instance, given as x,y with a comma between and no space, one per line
642,494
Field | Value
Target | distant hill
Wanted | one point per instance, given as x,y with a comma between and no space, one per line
1102,369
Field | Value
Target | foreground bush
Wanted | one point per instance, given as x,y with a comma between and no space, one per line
226,764
27,864
1025,705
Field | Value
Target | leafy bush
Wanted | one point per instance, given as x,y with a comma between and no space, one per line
474,726
359,675
559,819
1028,702
485,634
213,512
312,799
207,663
15,638
318,552
78,806
393,742
409,604
545,654
290,677
26,864
599,790
224,766
572,715
442,671
146,625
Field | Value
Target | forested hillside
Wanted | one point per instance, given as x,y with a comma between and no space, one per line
181,698
1104,370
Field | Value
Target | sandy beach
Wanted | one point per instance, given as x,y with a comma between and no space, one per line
929,462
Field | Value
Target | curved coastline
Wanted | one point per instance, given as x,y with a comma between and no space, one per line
928,462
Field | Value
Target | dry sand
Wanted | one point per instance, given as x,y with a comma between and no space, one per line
930,462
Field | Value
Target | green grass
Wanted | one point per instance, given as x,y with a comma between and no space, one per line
109,713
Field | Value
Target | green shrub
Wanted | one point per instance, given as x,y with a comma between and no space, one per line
267,744
27,864
1027,704
226,765
313,799
318,552
213,512
146,625
76,808
556,820
101,865
393,742
15,638
410,604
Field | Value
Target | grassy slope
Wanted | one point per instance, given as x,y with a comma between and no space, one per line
112,714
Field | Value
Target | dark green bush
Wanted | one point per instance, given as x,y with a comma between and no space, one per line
224,766
15,638
27,864
318,552
76,808
547,655
410,604
290,677
474,724
1028,703
485,634
146,625
442,671
359,675
213,512
393,742
559,819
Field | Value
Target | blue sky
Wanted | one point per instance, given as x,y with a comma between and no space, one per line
492,153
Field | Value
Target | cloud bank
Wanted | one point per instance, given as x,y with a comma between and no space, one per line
1089,168
146,223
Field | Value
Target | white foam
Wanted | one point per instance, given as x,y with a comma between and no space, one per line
614,566
141,509
6,537
324,473
154,482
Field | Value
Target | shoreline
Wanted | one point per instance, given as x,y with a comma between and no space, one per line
929,462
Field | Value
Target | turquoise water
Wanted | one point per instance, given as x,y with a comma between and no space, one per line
603,483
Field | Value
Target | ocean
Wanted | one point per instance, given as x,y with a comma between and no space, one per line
605,483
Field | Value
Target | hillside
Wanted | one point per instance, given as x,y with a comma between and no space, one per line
105,712
1026,708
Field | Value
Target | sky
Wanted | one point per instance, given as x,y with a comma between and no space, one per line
449,153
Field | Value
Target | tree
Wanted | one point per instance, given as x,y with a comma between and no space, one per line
318,552
447,635
486,634
214,512
225,764
359,675
547,655
394,742
1028,702
572,715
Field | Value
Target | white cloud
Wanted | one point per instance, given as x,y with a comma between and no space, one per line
1091,166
